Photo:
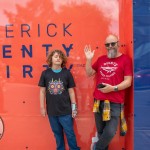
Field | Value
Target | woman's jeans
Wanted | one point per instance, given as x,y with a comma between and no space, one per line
60,125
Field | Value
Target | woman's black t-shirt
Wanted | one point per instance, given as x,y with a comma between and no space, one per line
57,95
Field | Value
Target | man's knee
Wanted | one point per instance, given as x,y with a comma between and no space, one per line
110,133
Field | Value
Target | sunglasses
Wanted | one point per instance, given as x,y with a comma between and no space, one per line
112,44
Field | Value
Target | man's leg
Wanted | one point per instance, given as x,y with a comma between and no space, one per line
58,132
67,123
100,126
108,133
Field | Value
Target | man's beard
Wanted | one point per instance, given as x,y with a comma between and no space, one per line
112,53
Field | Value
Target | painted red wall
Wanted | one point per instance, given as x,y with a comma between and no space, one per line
55,24
126,38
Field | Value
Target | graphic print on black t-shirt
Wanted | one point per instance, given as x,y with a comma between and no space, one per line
57,94
55,87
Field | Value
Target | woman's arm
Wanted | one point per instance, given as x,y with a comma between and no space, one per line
73,102
42,101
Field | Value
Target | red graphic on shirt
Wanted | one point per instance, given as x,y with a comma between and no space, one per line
108,69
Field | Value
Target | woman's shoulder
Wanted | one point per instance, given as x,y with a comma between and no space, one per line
65,70
48,70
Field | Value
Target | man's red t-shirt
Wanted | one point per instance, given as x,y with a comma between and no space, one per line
112,71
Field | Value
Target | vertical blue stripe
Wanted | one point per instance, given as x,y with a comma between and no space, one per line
141,22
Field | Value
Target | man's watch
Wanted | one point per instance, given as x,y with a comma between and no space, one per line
116,88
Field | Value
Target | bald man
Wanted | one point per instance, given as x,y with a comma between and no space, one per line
114,75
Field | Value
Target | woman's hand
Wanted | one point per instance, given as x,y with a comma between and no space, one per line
43,112
74,113
74,110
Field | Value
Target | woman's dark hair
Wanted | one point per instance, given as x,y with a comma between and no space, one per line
62,56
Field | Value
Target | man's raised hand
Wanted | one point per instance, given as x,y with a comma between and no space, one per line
89,54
